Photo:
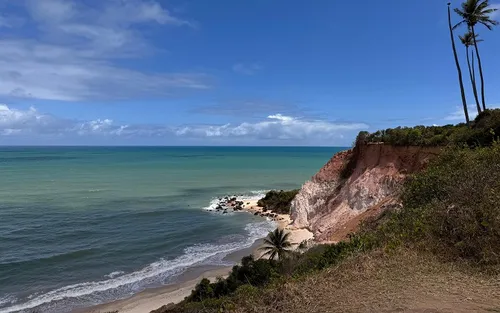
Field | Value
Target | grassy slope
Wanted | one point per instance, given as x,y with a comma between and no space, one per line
378,282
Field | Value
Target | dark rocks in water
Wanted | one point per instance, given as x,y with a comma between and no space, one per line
225,212
256,213
232,199
219,207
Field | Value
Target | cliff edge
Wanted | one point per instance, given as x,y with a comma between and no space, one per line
354,185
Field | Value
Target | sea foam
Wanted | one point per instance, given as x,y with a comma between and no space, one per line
121,285
252,196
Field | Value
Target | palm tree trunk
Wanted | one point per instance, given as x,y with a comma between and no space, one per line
459,70
472,79
480,68
473,68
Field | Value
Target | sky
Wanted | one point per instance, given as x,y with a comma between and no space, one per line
225,72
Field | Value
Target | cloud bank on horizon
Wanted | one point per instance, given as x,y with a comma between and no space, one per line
40,127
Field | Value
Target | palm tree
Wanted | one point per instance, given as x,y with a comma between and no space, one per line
459,70
276,244
473,12
468,41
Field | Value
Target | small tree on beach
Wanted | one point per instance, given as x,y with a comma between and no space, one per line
277,244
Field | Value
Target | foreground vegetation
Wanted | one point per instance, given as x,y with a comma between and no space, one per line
451,215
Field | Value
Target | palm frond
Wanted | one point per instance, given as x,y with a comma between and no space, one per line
266,248
487,25
268,242
474,12
277,243
459,24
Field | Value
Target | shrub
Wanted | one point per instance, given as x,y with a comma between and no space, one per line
451,208
278,201
252,272
483,132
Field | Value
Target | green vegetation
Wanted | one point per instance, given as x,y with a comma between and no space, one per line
482,132
251,272
276,245
278,201
450,209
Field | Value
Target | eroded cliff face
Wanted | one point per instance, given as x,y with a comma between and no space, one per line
330,205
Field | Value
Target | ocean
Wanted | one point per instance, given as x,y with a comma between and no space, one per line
80,226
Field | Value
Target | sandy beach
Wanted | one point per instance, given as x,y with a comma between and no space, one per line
154,298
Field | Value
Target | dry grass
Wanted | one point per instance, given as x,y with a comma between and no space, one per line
376,282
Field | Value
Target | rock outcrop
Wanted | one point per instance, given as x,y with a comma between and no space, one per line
353,185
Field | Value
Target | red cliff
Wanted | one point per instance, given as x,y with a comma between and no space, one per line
337,198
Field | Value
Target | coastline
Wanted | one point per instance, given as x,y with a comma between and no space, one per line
154,298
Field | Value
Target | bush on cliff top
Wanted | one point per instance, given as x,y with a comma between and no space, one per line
278,201
483,131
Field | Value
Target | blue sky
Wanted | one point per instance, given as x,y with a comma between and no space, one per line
225,72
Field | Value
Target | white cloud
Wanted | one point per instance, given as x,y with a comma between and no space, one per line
495,14
247,69
51,11
14,122
75,56
458,114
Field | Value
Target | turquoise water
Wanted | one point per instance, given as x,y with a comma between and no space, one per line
86,225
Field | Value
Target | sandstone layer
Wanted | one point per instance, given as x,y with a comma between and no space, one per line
353,185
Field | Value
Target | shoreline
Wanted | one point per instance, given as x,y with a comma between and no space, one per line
154,298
